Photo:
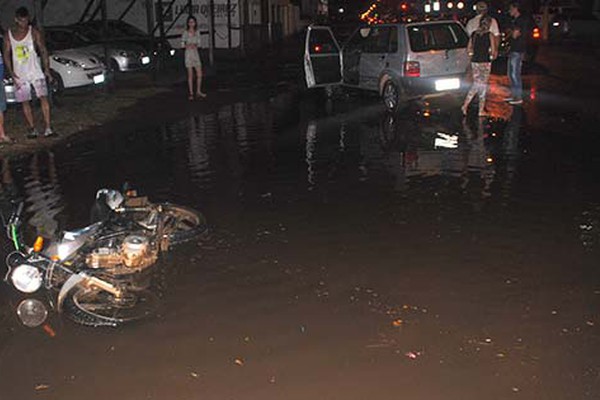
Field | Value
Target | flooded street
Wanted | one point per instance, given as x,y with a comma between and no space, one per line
352,254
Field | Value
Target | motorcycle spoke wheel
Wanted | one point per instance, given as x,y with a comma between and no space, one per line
96,307
182,223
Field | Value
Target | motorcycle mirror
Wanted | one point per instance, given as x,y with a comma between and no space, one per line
32,312
15,259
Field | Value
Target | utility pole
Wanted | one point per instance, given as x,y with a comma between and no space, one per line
38,11
161,30
243,22
545,21
104,16
150,28
229,24
211,32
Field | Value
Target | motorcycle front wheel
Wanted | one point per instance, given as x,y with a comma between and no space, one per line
94,307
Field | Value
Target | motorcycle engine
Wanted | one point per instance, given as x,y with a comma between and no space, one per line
137,253
104,257
134,254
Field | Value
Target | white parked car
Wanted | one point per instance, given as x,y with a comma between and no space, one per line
75,68
123,55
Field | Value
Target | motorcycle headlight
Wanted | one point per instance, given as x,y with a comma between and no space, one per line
32,312
27,278
66,61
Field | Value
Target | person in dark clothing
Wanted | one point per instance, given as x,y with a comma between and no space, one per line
518,34
482,49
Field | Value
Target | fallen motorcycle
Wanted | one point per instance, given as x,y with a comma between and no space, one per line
101,275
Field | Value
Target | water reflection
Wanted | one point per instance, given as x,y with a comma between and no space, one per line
249,149
8,189
246,150
43,196
479,155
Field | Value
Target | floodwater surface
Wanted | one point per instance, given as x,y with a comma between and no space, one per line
352,254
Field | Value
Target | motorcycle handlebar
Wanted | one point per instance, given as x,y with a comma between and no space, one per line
20,209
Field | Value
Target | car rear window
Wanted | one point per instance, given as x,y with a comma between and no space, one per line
443,36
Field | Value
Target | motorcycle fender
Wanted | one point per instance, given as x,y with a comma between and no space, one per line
71,283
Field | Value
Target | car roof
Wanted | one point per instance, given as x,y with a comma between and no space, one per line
434,22
411,23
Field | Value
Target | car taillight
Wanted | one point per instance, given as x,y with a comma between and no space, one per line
412,69
318,49
536,33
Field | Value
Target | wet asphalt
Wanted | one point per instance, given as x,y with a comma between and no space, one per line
352,254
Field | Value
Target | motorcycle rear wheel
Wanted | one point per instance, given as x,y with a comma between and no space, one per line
184,223
94,307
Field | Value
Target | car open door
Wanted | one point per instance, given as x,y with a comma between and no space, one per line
322,58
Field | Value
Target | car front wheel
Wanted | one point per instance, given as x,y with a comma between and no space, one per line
57,85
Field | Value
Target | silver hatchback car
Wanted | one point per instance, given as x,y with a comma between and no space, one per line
400,61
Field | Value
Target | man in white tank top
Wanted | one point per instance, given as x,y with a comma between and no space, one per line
21,46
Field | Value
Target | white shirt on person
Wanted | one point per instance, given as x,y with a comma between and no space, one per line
473,25
26,63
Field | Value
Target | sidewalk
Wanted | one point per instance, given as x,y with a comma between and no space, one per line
138,99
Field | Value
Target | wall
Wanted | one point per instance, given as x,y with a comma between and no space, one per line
281,12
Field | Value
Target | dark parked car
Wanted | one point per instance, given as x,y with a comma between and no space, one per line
119,31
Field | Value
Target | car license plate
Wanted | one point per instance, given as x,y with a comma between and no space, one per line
145,60
98,79
447,84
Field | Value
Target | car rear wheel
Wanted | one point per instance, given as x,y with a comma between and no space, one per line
393,96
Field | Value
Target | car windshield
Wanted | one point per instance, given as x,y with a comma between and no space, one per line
116,29
444,36
126,29
62,39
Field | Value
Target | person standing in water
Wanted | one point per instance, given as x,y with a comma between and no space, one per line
190,40
21,46
482,50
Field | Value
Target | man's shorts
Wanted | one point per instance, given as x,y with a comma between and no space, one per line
2,97
23,89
